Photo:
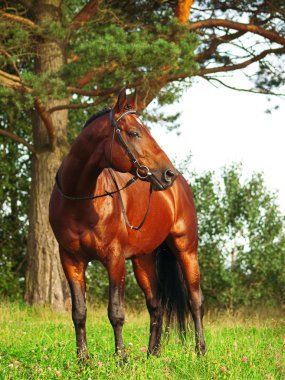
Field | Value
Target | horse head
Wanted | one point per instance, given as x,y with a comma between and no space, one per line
132,148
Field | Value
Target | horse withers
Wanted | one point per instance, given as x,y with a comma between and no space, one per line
117,196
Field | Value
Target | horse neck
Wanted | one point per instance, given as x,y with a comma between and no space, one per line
84,163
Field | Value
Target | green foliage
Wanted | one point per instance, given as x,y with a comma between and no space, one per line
242,240
15,39
38,343
135,54
46,86
15,181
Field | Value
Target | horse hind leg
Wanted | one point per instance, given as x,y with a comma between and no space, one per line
75,274
188,260
145,272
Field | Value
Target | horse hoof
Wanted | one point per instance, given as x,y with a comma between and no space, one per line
121,357
82,357
155,353
201,349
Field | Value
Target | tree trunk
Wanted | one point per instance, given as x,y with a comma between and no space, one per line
45,280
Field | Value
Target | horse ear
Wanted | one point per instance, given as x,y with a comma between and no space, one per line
133,100
122,101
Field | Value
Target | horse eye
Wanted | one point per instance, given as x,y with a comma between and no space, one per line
133,134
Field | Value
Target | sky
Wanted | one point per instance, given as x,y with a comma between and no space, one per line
220,126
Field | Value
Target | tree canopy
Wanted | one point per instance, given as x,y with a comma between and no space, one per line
156,46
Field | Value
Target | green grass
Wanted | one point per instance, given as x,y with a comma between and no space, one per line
36,343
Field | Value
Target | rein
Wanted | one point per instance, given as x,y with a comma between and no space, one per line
138,228
118,190
91,197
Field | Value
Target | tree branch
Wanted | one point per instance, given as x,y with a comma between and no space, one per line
211,23
215,43
182,11
87,77
20,19
86,14
12,81
210,79
13,63
46,118
78,105
100,92
73,106
17,139
9,77
241,65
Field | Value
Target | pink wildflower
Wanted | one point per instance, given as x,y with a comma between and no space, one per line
223,369
143,349
244,359
100,363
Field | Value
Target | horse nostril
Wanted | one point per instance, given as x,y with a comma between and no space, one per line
168,175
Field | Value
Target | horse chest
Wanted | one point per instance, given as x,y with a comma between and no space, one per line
99,230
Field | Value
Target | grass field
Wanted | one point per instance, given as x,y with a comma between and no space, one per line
36,343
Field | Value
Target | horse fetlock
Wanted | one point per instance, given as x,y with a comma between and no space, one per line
117,321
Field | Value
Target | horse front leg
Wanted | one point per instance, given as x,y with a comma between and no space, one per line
74,269
145,272
116,271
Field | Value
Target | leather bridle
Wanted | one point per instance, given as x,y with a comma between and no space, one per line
148,174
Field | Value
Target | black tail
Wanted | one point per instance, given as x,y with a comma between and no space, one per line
172,292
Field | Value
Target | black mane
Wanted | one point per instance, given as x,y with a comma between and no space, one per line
96,115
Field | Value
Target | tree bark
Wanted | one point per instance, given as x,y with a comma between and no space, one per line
45,280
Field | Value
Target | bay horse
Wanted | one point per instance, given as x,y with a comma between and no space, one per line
103,208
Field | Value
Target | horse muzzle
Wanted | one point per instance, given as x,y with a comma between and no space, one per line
161,180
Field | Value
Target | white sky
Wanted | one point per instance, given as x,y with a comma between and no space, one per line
220,126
